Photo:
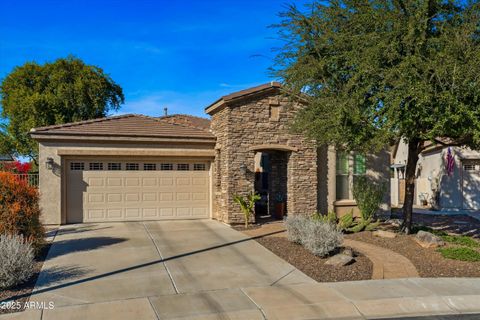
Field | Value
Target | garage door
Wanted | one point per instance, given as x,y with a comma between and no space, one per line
471,184
113,190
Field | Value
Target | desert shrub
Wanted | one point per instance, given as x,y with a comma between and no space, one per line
296,225
320,238
460,253
368,196
16,260
19,210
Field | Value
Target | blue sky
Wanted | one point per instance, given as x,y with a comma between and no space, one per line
177,54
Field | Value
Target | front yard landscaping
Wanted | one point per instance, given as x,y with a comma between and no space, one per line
314,266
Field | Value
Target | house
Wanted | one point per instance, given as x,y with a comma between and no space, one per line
5,159
438,184
135,167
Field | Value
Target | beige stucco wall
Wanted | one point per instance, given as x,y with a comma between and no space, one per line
51,182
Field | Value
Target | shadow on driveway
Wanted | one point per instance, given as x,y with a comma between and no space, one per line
63,247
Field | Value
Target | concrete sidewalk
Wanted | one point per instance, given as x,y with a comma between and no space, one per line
374,299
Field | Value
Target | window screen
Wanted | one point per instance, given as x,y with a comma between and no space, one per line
149,166
199,167
183,167
166,166
131,166
114,166
77,166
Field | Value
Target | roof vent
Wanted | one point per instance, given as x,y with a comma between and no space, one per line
165,111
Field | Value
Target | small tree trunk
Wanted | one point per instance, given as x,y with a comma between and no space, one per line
413,152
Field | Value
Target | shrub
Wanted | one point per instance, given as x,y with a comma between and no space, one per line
368,196
247,204
460,253
330,217
16,260
296,226
19,211
321,238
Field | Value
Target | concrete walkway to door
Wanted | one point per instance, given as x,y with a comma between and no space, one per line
206,270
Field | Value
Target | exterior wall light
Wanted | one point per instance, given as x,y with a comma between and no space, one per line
49,163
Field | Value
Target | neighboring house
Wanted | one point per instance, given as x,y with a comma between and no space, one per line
134,167
456,188
5,159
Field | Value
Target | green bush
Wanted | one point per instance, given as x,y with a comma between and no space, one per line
368,196
247,204
460,253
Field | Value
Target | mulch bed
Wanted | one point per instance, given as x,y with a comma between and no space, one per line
429,262
26,288
314,266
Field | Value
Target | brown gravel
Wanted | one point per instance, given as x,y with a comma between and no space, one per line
429,262
25,289
314,266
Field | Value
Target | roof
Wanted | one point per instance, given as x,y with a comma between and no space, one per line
264,88
128,125
6,157
188,120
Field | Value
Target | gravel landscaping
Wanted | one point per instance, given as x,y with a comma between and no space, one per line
429,262
314,266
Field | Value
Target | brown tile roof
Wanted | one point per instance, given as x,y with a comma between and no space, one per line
271,86
188,120
129,125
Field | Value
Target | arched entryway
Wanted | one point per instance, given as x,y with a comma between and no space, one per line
271,180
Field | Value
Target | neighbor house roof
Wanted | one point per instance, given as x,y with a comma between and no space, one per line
188,120
129,125
232,97
6,157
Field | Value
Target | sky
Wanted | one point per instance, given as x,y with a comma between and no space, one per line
182,55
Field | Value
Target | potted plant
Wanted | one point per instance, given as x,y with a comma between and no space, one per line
280,206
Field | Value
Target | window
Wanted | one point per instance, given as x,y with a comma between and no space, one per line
149,166
131,166
114,166
349,165
96,166
166,166
77,166
183,167
469,167
342,180
199,167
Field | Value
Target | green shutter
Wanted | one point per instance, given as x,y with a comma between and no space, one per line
359,164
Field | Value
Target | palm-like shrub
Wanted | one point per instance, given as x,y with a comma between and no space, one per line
19,210
247,204
16,260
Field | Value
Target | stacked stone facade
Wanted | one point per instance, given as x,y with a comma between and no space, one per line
261,120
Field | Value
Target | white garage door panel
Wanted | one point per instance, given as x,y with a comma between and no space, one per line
121,195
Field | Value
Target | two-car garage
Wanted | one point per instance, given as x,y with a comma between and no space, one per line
126,168
100,190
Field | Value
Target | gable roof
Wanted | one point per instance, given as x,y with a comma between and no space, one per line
188,120
128,125
261,89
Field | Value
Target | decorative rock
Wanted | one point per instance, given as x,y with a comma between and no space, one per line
384,234
340,260
395,222
428,240
348,252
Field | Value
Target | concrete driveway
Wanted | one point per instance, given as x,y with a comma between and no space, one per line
92,263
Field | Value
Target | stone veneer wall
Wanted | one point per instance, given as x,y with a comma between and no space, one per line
247,124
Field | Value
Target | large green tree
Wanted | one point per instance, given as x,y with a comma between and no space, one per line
377,71
63,91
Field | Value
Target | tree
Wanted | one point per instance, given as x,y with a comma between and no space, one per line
377,71
65,90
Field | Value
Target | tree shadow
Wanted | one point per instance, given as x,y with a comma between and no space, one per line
54,275
81,229
63,247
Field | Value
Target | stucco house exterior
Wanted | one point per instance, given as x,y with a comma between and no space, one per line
457,188
135,167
